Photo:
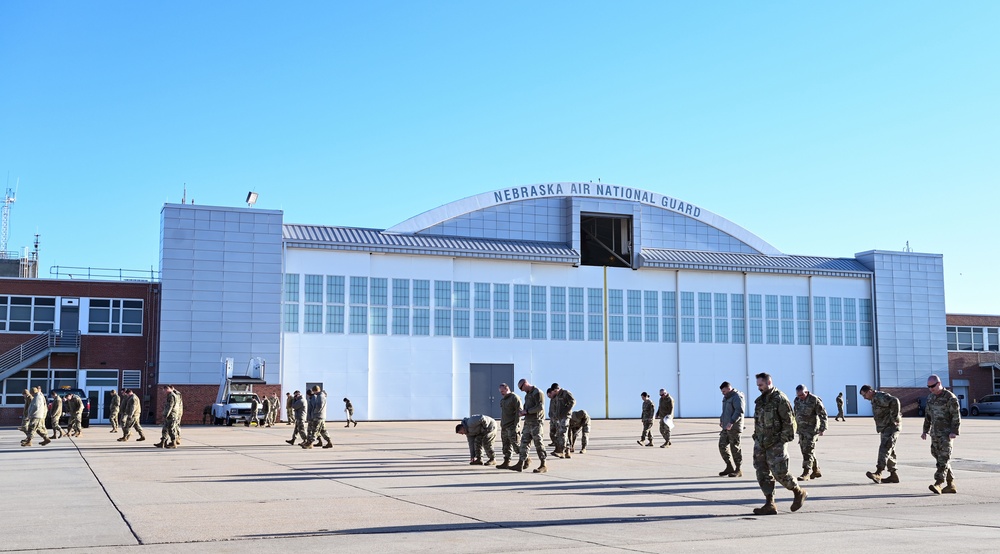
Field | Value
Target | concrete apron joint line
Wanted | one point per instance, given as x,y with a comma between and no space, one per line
108,495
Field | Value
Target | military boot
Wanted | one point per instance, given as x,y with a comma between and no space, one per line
639,442
768,509
949,488
665,444
892,478
123,439
540,469
567,455
159,444
505,464
490,462
877,476
45,441
729,469
519,466
140,439
800,498
306,445
936,487
815,473
558,454
177,442
736,472
476,462
650,443
329,444
804,476
290,441
319,442
26,442
170,445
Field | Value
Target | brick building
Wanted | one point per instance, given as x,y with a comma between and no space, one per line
92,334
974,356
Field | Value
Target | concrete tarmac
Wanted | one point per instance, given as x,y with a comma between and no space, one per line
407,487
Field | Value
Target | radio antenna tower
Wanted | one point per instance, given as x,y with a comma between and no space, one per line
9,198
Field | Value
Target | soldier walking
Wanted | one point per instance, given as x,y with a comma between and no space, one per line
534,414
116,403
266,408
168,437
349,412
480,431
810,417
549,393
74,407
275,408
132,412
297,413
55,414
885,409
840,408
942,418
664,410
510,423
289,412
564,402
317,420
28,398
773,429
647,420
731,422
34,422
579,425
254,412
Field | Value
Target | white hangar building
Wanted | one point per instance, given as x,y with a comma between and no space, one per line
607,290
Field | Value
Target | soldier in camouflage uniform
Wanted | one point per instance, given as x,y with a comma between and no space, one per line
942,418
254,412
265,407
552,417
885,409
480,431
116,403
840,408
666,408
774,426
647,420
168,434
132,412
579,426
55,414
510,423
272,417
810,419
34,418
731,422
564,402
349,412
74,407
289,412
297,414
317,420
534,415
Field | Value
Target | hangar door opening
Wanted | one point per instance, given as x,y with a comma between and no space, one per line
606,240
484,383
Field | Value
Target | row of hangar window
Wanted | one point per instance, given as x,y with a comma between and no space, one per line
381,306
37,314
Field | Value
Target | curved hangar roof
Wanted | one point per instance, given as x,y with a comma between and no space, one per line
536,223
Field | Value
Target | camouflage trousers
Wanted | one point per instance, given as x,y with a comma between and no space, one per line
131,423
483,443
532,432
254,417
299,430
729,442
887,450
807,444
34,426
75,423
56,428
510,438
647,431
664,431
170,431
583,432
941,445
561,427
349,416
552,431
114,420
772,465
317,427
840,414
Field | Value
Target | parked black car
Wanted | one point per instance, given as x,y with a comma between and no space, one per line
64,420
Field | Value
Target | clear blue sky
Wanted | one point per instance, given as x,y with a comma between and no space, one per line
825,128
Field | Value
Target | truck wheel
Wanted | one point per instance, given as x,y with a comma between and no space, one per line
974,411
229,422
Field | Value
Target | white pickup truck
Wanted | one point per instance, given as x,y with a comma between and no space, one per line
235,408
236,393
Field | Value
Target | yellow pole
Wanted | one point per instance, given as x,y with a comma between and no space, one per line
607,400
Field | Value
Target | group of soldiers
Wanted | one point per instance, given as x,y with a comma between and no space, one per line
565,427
126,410
308,415
270,408
37,411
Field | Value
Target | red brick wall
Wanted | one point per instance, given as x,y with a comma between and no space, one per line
908,398
965,365
197,397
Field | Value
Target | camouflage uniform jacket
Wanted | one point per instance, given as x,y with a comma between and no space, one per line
133,407
74,406
578,419
479,425
564,402
810,415
772,419
39,407
534,405
299,407
116,402
666,406
180,405
56,410
942,416
317,406
265,405
350,407
885,408
510,411
254,404
733,409
840,401
647,410
170,406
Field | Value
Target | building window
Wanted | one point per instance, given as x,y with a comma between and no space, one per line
314,317
501,297
972,339
400,321
358,320
819,316
522,317
576,300
335,301
850,323
787,320
291,318
522,325
820,332
595,314
557,301
576,327
687,329
501,324
291,309
635,328
539,303
401,292
802,315
771,313
687,303
462,300
442,322
522,298
462,303
704,317
314,289
738,322
739,332
359,291
704,329
334,289
772,331
380,291
482,296
461,323
110,316
380,321
616,328
482,324
481,300
721,315
421,293
756,331
335,319
722,330
669,316
291,287
736,301
538,327
755,307
836,325
421,316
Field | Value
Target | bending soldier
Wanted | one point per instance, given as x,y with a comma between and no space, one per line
579,425
885,410
480,431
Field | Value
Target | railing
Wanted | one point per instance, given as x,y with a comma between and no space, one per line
38,344
104,274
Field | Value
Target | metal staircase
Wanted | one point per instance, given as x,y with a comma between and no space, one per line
36,348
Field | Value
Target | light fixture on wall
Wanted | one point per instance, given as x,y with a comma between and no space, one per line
251,199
